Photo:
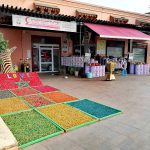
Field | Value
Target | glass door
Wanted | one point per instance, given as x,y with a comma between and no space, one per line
35,56
46,59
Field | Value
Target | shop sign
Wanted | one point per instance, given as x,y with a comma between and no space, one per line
40,23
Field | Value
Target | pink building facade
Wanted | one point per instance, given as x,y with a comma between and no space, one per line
62,42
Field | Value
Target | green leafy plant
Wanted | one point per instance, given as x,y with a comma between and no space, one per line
77,68
71,70
1,61
3,43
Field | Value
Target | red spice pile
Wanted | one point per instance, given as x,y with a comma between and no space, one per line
24,91
59,97
45,88
37,100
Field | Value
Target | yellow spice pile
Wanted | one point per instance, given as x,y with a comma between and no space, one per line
66,116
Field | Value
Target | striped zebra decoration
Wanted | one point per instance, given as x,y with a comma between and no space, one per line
5,56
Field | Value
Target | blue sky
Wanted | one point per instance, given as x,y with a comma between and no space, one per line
140,6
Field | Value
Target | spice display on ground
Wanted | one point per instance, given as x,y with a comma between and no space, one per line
66,116
97,110
29,126
59,97
45,88
6,94
9,105
23,91
37,100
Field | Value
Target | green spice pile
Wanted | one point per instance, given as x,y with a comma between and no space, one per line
29,126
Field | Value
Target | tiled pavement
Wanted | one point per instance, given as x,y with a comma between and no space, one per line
128,131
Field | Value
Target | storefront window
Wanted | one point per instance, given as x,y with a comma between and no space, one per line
139,54
139,51
115,48
114,51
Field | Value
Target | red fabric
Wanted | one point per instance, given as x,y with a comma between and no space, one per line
37,100
117,32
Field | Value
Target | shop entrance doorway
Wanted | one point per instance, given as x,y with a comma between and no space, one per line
45,57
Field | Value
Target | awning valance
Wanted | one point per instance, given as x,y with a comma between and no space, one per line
106,31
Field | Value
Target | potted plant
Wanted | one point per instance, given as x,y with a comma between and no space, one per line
77,69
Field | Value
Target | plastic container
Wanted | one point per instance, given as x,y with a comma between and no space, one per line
89,75
93,71
100,71
87,69
144,69
124,72
141,69
131,71
76,73
103,70
97,71
137,69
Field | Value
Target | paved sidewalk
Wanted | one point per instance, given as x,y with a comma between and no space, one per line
128,131
7,139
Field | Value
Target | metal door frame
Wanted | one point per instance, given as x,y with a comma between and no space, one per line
52,62
47,47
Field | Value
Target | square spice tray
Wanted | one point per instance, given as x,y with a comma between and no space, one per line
44,89
37,100
24,91
30,127
11,105
6,94
67,117
59,97
100,111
